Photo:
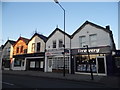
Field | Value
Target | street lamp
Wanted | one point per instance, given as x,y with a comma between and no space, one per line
89,62
64,35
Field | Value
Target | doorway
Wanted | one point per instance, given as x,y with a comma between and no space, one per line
101,65
49,64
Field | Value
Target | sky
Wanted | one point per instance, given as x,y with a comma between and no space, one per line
23,18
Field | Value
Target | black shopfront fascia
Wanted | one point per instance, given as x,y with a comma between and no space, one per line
23,56
92,51
29,55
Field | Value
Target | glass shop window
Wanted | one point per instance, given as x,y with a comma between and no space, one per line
17,62
83,64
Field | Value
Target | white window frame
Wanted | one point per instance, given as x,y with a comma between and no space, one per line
93,41
81,42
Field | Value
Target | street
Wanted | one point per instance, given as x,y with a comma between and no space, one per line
20,81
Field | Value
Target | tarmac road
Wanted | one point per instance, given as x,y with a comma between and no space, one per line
20,81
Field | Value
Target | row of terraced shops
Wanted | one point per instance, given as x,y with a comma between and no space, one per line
47,53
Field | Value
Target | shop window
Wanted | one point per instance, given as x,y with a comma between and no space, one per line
82,41
60,43
93,40
54,44
38,47
58,63
82,64
117,62
32,64
17,62
41,64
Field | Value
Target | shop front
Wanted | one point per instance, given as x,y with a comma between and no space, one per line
5,63
55,61
34,61
98,58
116,58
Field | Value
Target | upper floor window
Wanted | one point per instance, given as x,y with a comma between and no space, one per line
82,41
54,44
25,50
21,49
60,43
38,47
93,39
17,50
33,47
8,49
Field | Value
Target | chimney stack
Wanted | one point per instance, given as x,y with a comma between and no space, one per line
108,27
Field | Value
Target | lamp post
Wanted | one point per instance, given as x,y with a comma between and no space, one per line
64,35
89,62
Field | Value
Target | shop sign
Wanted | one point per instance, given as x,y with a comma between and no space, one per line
56,52
105,49
90,50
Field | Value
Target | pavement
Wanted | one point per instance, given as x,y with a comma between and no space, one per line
108,81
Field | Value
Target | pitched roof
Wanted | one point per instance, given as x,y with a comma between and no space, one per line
97,26
92,24
57,29
44,38
22,38
10,41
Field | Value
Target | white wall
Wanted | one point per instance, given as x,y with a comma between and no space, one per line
35,40
5,52
103,38
57,36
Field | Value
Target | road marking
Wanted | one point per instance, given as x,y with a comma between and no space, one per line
7,83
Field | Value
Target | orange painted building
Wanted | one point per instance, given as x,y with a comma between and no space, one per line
20,47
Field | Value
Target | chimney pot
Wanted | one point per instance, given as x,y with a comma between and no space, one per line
108,27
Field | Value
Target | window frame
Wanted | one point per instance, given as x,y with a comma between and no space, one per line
92,41
60,44
81,42
38,46
54,43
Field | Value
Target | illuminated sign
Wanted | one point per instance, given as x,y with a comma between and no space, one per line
89,50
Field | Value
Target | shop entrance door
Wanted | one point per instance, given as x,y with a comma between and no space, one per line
49,65
101,65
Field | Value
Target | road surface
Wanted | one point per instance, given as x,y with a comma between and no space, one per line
20,81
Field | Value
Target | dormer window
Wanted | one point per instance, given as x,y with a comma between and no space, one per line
38,47
17,50
93,40
21,50
60,43
54,44
33,47
82,41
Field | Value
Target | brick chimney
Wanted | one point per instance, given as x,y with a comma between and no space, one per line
108,27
